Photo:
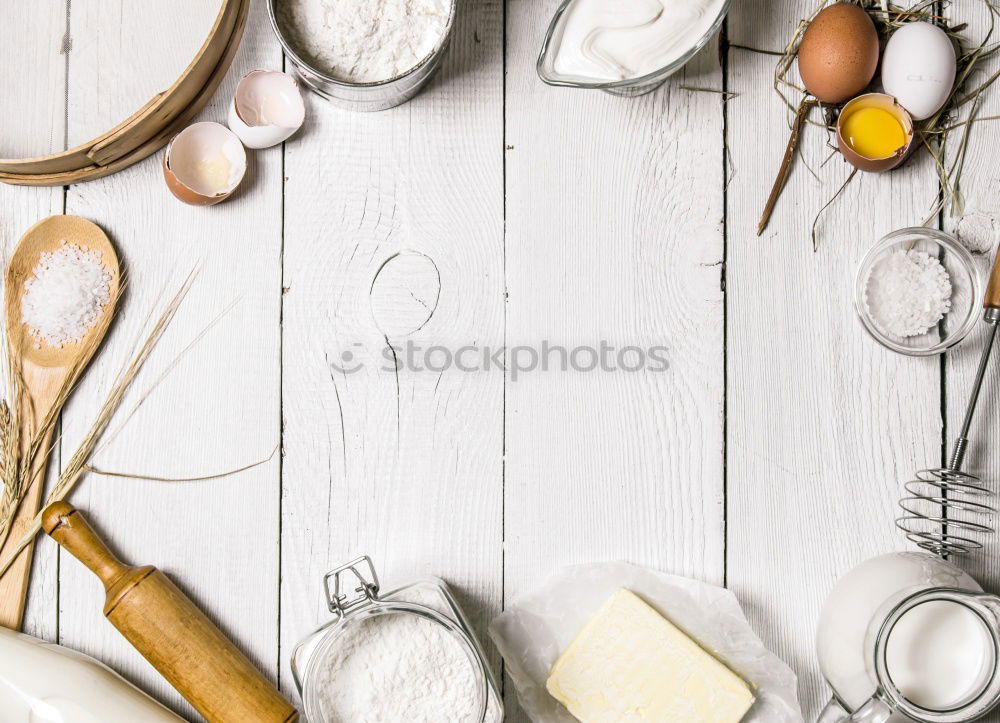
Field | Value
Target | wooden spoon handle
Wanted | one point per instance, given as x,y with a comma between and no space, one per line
992,298
67,526
14,584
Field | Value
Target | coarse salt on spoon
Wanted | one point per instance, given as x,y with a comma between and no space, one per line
48,374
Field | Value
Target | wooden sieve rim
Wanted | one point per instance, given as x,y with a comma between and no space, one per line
149,128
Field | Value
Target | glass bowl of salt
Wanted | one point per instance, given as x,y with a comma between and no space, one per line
917,291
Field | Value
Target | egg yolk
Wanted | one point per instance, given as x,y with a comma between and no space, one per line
874,133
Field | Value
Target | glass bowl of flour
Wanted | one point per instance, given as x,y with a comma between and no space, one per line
363,55
918,291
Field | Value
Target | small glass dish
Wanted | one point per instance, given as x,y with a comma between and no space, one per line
380,95
966,290
628,87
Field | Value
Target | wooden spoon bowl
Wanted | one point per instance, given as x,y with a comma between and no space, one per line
48,374
46,236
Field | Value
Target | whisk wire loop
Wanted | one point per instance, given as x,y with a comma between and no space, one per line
942,509
946,506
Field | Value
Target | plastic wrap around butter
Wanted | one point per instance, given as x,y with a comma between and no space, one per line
534,631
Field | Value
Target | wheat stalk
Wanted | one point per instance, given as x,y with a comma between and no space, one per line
77,464
21,470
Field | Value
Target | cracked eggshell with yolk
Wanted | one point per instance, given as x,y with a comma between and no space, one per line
267,108
204,163
886,103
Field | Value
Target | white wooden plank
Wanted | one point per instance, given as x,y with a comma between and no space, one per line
614,219
978,223
407,467
824,425
219,410
33,78
33,117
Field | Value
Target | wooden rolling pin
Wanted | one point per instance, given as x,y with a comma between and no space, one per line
163,624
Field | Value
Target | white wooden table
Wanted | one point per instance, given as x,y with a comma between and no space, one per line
768,457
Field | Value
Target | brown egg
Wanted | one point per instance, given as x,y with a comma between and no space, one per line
839,53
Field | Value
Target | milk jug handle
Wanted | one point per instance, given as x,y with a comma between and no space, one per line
874,711
992,603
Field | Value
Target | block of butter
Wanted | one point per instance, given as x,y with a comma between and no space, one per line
629,664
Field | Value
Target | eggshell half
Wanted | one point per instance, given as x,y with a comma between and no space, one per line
875,165
838,54
204,163
918,68
267,108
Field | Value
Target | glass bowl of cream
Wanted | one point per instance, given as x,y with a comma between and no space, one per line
625,47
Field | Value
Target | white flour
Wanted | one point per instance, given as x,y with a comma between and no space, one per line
398,667
978,231
908,292
365,41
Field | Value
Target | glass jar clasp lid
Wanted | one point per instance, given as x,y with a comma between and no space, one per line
365,591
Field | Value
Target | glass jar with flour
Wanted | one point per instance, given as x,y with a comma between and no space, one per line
909,636
408,654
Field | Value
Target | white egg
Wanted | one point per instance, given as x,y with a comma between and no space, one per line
918,68
267,108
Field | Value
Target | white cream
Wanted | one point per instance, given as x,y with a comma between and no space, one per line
605,40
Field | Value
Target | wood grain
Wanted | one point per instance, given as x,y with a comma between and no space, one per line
823,424
34,122
149,45
404,466
33,78
978,224
494,210
218,410
614,234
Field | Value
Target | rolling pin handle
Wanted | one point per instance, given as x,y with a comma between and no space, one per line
66,525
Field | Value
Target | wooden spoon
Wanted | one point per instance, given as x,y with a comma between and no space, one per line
48,375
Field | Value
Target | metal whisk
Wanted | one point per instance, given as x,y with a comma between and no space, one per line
947,508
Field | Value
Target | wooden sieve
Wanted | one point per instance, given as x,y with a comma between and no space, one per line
149,128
